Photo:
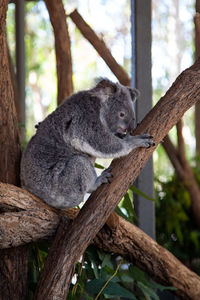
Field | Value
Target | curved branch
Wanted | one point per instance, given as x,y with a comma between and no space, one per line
181,142
62,47
173,155
184,172
25,218
184,93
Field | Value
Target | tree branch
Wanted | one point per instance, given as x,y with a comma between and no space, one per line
184,172
25,218
100,47
173,155
180,97
62,47
181,142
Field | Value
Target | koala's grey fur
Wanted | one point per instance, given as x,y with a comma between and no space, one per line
58,162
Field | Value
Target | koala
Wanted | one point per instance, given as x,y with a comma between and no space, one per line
58,162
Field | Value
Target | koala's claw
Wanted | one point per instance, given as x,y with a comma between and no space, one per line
146,140
148,143
146,136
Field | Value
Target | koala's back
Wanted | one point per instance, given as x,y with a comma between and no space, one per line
49,151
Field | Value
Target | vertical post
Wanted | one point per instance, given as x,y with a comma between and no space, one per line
133,44
141,78
20,56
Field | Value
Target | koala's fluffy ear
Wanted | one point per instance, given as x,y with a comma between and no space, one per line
134,93
105,88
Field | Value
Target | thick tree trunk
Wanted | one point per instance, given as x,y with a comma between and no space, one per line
15,87
184,93
9,137
100,47
25,218
13,262
13,273
62,47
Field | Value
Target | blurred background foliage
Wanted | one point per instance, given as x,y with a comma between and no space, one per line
172,51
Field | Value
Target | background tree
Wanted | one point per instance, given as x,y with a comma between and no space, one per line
13,262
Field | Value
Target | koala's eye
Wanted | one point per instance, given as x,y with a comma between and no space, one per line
122,114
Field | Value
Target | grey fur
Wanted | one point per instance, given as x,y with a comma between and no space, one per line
57,164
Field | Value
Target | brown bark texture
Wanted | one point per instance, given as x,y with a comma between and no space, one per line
15,87
100,46
197,54
25,218
13,262
56,276
9,137
62,47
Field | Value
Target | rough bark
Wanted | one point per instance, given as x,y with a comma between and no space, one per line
62,47
25,218
197,53
9,137
100,47
13,273
13,262
184,93
15,87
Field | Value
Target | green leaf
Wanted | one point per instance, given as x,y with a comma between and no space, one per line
95,269
98,166
128,204
148,292
137,274
195,238
135,190
107,261
120,213
86,297
93,258
161,287
112,289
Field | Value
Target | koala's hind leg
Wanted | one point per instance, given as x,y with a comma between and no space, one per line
103,178
71,180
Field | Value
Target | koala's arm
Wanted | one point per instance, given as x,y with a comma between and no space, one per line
111,146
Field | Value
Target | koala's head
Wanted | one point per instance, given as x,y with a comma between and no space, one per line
117,106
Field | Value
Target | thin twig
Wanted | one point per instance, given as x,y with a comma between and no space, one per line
107,282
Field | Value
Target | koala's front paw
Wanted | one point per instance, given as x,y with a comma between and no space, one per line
142,140
146,140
